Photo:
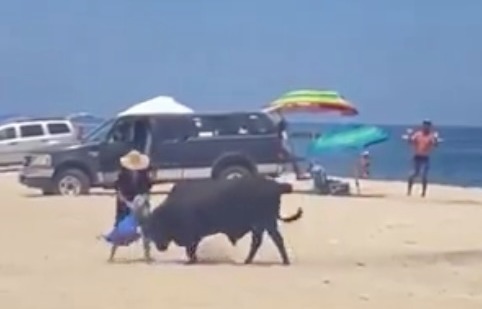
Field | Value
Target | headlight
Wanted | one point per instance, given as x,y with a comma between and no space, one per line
41,160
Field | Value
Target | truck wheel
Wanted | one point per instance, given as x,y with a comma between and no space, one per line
234,171
71,182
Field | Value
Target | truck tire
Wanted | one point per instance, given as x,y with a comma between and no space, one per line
234,171
72,182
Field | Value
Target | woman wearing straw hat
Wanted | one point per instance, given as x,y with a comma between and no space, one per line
132,200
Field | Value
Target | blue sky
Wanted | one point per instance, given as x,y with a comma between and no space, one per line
398,61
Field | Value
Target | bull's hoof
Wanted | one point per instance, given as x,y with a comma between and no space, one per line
191,262
286,263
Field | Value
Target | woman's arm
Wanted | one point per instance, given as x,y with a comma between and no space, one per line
145,182
121,197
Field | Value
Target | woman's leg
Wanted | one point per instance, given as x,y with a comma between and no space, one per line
143,216
113,250
121,211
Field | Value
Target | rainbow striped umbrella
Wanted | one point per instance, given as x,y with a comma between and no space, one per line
312,101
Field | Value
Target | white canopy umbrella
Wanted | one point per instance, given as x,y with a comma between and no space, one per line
157,105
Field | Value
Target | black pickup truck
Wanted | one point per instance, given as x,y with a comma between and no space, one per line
180,147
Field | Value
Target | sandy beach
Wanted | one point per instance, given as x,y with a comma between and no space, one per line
383,251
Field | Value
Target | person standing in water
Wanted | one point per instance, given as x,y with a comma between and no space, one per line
362,169
423,141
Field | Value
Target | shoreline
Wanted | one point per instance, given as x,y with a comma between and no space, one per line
392,189
397,182
417,182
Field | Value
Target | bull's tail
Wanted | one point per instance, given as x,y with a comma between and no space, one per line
286,188
294,217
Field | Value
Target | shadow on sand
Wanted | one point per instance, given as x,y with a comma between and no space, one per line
417,259
201,262
458,257
459,202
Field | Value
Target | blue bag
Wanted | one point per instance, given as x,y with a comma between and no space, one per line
125,233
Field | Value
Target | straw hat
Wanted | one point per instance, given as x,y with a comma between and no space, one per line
134,161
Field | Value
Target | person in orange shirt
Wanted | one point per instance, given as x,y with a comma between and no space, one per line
423,141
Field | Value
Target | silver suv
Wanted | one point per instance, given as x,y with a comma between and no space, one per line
18,138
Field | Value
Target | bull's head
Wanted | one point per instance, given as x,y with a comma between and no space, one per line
157,229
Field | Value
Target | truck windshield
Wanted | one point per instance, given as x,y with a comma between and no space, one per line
100,133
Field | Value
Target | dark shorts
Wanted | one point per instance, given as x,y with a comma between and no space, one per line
421,165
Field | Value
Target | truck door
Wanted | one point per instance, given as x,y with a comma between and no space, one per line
168,146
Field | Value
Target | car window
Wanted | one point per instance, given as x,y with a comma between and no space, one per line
257,124
7,133
31,130
58,128
123,131
174,129
100,132
232,125
217,125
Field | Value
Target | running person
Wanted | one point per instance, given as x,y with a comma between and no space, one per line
423,142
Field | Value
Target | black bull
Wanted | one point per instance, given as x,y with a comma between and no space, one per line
196,209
